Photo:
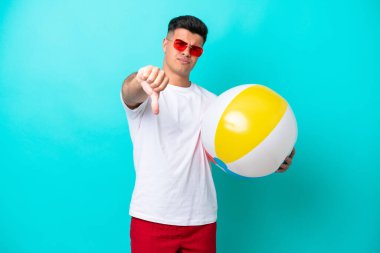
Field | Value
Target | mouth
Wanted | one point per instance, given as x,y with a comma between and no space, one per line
184,61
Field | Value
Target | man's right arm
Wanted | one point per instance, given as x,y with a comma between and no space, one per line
132,92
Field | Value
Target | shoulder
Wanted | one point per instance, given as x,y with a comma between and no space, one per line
204,92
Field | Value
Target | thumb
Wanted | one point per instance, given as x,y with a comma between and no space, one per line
154,104
153,95
146,87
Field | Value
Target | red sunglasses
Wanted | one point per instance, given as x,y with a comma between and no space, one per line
181,46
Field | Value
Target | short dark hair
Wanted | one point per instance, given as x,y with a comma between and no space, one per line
191,23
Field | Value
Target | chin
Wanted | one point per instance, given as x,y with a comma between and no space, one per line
184,70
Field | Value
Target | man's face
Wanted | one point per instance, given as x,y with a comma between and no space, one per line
177,62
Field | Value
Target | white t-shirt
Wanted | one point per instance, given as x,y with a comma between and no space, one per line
174,183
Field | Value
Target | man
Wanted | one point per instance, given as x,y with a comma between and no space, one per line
173,205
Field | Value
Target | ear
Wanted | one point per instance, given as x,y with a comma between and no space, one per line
164,44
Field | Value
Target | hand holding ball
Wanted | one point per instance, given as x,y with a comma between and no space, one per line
249,130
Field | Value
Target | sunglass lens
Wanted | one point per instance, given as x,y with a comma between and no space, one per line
196,51
180,45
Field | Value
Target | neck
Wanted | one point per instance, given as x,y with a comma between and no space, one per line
179,81
176,79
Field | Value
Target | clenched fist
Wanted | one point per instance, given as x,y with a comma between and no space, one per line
153,80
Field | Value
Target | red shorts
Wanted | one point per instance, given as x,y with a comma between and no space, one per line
150,237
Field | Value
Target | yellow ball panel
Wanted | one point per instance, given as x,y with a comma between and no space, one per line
247,121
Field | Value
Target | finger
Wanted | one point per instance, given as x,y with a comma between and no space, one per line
282,168
159,79
293,153
141,74
288,161
154,104
163,85
147,71
144,72
153,75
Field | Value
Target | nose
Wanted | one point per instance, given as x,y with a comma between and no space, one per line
186,52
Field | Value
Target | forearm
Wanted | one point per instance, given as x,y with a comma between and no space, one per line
132,92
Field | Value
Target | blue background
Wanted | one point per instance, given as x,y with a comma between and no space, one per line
66,170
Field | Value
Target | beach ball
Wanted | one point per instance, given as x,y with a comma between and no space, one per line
249,131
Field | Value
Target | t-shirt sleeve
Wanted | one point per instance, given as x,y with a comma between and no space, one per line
134,116
209,98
